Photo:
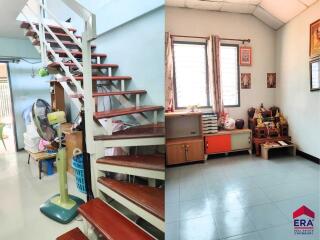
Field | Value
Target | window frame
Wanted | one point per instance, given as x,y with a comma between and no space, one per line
174,73
238,68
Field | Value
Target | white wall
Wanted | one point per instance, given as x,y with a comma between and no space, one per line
232,25
293,95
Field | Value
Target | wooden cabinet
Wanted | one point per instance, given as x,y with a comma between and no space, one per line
184,139
228,141
73,141
184,150
57,96
175,154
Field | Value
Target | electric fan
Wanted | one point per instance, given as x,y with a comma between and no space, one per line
60,207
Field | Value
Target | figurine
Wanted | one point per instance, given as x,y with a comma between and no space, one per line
283,120
260,120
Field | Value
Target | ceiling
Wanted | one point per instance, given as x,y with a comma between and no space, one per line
9,11
274,13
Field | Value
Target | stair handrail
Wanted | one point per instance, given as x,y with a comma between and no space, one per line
70,34
86,15
56,56
42,23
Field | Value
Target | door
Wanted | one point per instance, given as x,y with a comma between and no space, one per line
7,128
194,151
218,144
176,154
241,141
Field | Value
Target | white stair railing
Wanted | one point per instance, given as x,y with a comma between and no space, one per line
88,35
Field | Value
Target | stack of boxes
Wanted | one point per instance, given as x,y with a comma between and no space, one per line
209,123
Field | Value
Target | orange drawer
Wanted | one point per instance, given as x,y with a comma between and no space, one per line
218,144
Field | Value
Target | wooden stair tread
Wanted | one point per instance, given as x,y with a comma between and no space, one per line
96,94
66,43
150,199
103,78
62,53
143,131
74,234
126,111
108,94
110,223
150,162
26,25
94,65
31,33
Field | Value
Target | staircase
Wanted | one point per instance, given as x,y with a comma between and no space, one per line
127,209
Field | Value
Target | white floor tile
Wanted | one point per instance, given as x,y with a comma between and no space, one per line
233,223
195,208
266,216
203,228
172,231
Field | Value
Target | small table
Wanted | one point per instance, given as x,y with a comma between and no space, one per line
265,149
259,141
39,157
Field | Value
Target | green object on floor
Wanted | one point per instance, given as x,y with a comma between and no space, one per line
59,213
60,207
2,125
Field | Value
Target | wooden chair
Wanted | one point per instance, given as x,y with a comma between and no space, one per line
2,137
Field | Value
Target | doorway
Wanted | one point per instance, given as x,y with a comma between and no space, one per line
7,128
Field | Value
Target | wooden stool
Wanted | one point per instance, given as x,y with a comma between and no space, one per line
39,157
265,149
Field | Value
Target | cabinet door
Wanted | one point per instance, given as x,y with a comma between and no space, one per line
218,144
176,154
241,141
194,151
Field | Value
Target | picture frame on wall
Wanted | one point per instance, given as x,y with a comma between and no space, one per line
315,75
245,56
271,80
245,80
315,39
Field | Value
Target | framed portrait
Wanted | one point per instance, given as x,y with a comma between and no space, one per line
271,80
245,56
315,75
315,39
245,80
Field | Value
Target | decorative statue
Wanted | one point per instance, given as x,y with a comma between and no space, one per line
283,120
260,120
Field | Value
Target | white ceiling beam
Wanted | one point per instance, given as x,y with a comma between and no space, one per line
267,18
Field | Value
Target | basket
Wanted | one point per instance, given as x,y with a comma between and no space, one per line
77,165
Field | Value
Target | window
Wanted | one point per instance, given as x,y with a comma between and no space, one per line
190,74
229,66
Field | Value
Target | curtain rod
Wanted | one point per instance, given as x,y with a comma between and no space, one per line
207,38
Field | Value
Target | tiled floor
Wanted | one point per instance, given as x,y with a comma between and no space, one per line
21,194
241,197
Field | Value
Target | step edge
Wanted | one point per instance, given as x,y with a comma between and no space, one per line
139,204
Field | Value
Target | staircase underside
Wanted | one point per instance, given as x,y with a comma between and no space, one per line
143,131
73,65
110,223
126,111
78,54
57,29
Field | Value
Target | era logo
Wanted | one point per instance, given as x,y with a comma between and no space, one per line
303,222
303,219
